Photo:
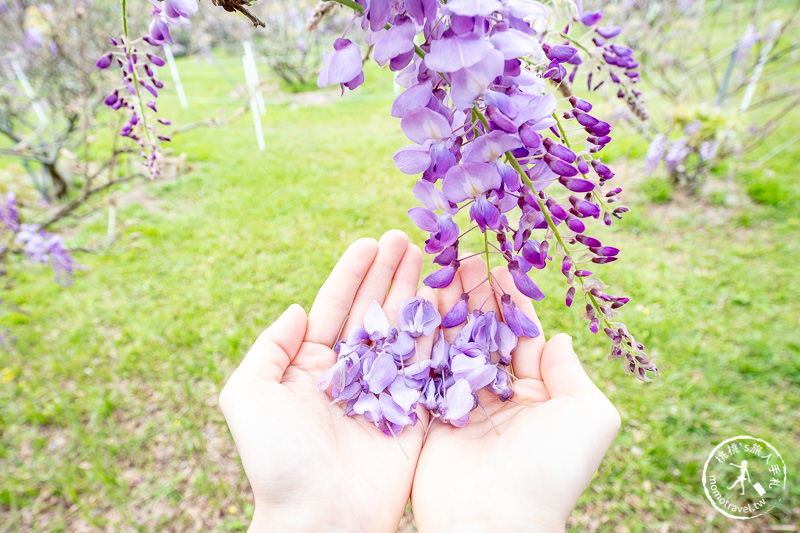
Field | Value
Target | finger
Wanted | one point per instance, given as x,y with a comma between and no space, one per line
405,281
562,372
391,248
527,355
474,278
335,297
273,351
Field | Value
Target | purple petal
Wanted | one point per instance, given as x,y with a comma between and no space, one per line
451,55
468,84
577,184
472,8
608,32
506,341
559,150
402,394
421,124
459,402
590,19
518,321
561,52
485,213
375,321
481,376
416,96
575,224
104,61
418,317
432,198
525,285
515,44
382,372
392,411
368,405
412,159
490,147
402,347
424,218
440,355
470,180
442,277
341,65
458,314
395,41
559,166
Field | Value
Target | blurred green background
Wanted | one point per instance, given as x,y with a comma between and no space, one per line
108,414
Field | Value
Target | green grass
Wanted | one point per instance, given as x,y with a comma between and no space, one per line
108,415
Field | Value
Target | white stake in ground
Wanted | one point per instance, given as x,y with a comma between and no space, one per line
248,52
38,110
251,81
176,78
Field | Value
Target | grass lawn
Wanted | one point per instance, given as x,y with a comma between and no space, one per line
108,415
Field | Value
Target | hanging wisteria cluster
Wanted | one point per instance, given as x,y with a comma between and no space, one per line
491,139
375,378
33,242
138,92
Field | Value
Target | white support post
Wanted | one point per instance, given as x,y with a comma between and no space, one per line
256,87
38,110
247,63
176,78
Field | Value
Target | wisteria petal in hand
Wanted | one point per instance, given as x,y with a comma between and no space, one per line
375,321
418,317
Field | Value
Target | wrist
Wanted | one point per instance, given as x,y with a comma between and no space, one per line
303,520
507,526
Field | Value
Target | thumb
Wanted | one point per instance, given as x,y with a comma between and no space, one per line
274,350
562,372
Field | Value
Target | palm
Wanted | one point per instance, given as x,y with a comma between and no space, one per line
305,451
518,465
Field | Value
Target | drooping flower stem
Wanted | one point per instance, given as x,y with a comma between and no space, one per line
575,42
348,3
561,131
486,251
521,171
134,74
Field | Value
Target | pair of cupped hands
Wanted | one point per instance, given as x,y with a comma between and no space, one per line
516,466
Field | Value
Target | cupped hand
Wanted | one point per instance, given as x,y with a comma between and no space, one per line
311,468
519,465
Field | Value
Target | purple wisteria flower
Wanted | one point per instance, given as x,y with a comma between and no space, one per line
40,246
9,213
342,66
373,376
136,96
492,147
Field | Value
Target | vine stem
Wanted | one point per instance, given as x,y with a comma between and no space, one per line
347,3
575,42
486,251
128,50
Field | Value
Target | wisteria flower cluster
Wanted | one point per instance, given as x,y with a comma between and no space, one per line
139,89
493,143
34,243
373,376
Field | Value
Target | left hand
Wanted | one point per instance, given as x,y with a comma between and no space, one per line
311,468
